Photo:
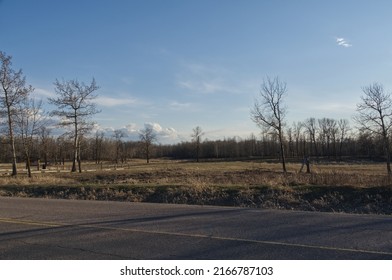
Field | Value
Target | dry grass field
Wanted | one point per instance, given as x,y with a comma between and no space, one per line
339,187
214,173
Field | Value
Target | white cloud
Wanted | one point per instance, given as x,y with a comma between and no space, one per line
154,126
167,135
132,127
343,42
112,102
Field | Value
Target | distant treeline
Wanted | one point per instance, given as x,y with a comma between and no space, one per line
322,139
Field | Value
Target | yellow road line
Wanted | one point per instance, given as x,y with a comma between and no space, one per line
264,242
27,222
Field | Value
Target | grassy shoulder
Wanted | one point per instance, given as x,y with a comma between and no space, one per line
351,188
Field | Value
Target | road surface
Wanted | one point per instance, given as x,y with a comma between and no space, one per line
70,229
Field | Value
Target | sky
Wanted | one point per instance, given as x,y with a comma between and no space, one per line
177,64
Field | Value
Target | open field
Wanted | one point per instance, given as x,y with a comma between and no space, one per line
354,188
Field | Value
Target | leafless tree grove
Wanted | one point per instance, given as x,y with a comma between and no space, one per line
13,92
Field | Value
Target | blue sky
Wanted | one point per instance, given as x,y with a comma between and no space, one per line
176,65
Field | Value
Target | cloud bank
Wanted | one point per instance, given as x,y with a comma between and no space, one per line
131,132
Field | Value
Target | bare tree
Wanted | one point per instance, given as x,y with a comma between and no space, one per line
98,143
29,120
75,108
297,128
45,141
344,127
118,134
290,141
269,111
147,137
13,91
328,130
375,115
196,138
310,126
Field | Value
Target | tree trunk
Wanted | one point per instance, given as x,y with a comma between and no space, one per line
315,146
78,158
46,158
388,154
14,169
386,146
282,150
12,143
28,165
75,145
197,150
148,152
74,160
11,135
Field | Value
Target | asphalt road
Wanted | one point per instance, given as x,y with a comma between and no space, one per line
68,229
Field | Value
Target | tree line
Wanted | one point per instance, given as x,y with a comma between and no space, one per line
27,137
302,139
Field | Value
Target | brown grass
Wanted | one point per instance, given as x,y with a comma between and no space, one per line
355,188
207,174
